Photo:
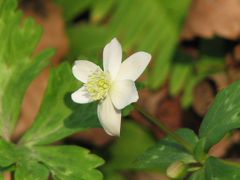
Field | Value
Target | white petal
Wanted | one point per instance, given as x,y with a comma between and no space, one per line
81,96
82,69
123,93
109,117
134,66
112,57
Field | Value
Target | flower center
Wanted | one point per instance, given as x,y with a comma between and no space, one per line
98,85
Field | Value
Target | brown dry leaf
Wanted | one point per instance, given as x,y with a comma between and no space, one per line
150,100
50,17
53,37
203,96
208,18
7,176
237,53
220,149
221,80
167,110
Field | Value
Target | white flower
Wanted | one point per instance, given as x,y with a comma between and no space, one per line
114,86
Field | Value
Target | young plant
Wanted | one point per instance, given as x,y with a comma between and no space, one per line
185,153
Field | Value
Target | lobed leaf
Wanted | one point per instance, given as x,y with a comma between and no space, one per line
7,154
59,116
18,67
220,169
166,152
69,162
15,89
223,115
31,170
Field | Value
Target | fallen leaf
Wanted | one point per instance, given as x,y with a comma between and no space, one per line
208,18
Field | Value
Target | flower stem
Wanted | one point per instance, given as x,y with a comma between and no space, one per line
165,129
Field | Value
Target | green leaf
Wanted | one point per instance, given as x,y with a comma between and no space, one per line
72,8
166,152
199,152
198,175
88,39
127,110
163,17
59,116
70,162
133,142
180,72
168,38
100,9
208,65
31,170
7,154
220,169
111,175
21,79
223,115
187,96
18,67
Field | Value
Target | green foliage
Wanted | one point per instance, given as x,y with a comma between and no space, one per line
100,10
178,78
69,162
166,152
29,170
133,142
136,140
187,96
62,162
71,8
18,67
87,40
58,116
7,154
187,72
223,115
219,169
127,110
198,175
151,26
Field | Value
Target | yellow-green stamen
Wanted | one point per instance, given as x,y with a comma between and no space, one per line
98,85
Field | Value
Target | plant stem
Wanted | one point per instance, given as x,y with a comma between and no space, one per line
165,129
